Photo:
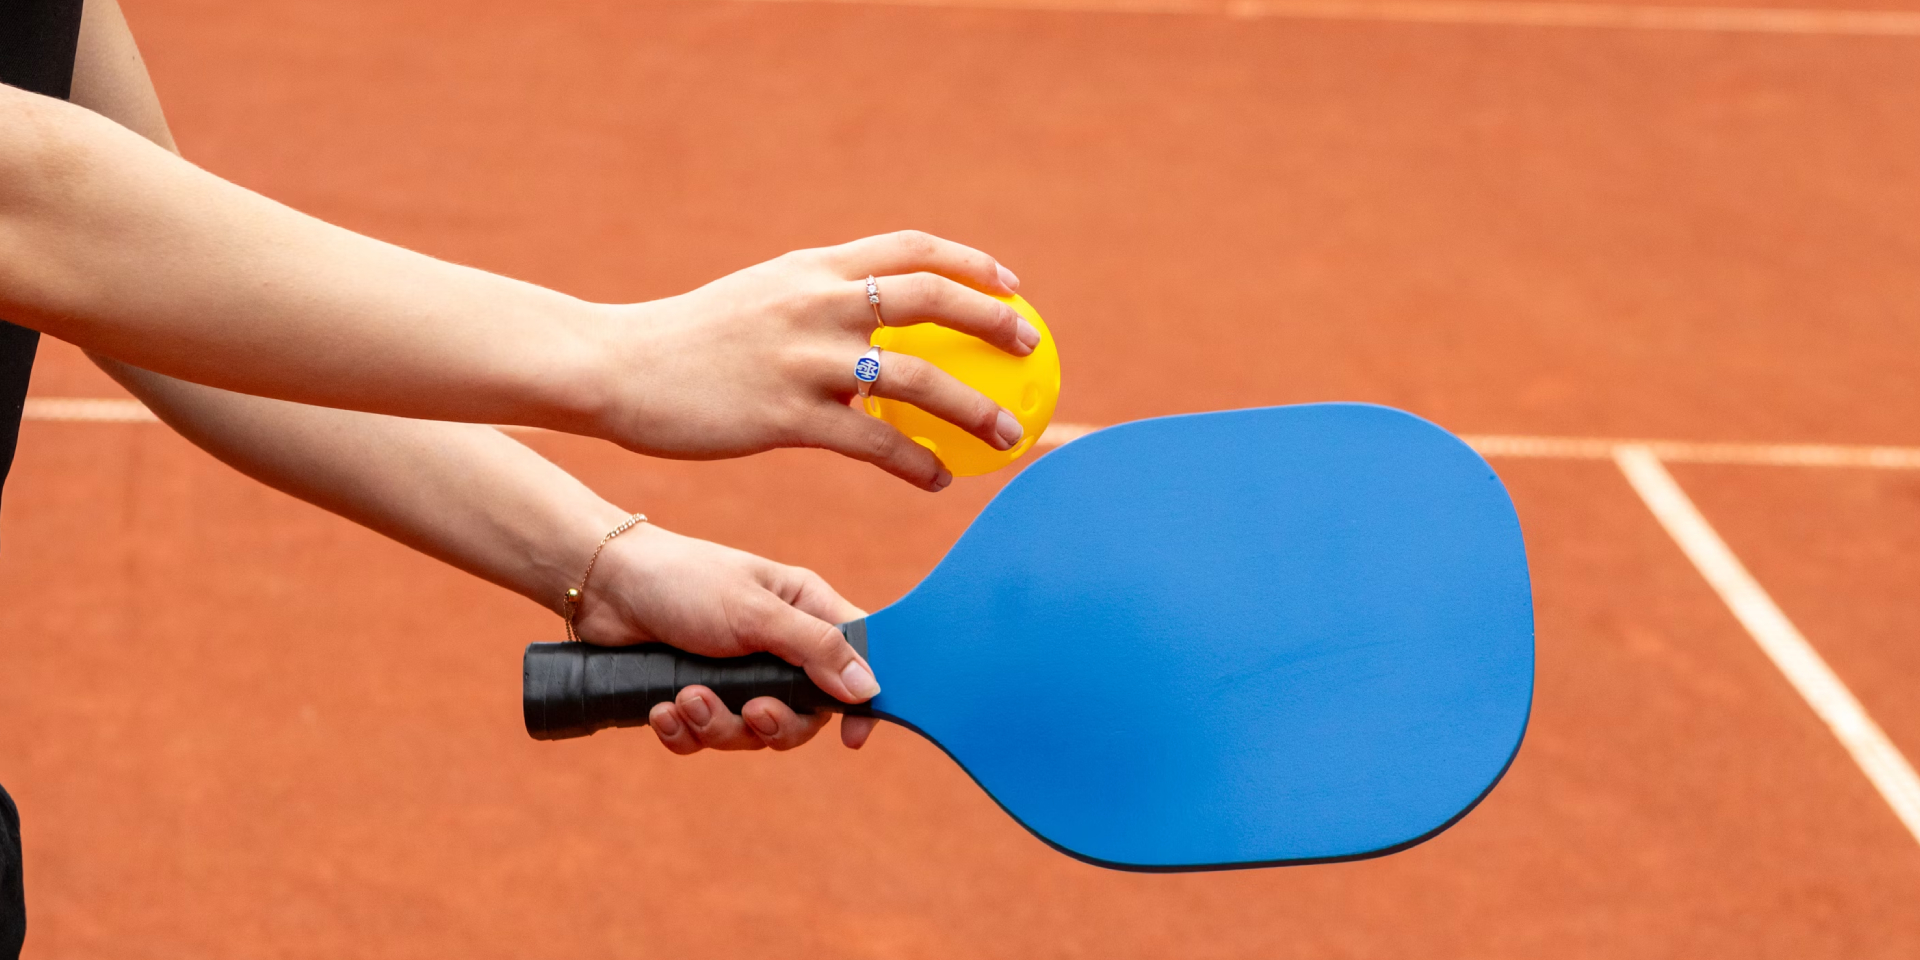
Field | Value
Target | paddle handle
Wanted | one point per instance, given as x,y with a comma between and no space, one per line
574,689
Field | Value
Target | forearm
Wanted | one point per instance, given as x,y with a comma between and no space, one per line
111,242
463,493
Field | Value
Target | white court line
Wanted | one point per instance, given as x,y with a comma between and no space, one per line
107,410
1823,690
87,410
1059,433
1680,451
1878,23
1503,13
1494,446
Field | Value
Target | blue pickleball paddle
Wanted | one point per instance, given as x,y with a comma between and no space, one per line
1272,636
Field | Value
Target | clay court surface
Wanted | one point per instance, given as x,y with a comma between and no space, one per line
239,727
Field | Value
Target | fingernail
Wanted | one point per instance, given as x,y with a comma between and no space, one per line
697,711
666,725
859,680
1007,430
1026,333
942,481
763,723
1008,279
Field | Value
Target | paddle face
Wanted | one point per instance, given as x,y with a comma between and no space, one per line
1265,636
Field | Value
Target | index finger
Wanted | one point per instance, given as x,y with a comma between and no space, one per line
912,298
811,593
913,251
809,643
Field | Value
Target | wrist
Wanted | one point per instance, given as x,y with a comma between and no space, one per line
584,385
606,612
568,552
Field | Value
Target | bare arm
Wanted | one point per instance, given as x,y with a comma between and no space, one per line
474,498
523,528
110,78
462,493
110,241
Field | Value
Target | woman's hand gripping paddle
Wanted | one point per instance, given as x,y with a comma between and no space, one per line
1293,634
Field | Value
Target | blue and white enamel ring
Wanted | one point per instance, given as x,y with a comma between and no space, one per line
866,370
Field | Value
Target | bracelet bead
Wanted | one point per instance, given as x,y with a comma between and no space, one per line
570,601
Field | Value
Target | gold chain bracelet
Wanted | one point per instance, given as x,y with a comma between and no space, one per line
570,602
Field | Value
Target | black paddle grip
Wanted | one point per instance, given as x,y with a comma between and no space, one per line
574,689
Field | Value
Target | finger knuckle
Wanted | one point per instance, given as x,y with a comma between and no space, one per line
986,415
909,376
827,639
827,360
753,622
903,296
1008,324
807,257
875,440
820,300
792,422
916,242
716,737
791,261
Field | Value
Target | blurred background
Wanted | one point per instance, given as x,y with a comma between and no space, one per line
240,727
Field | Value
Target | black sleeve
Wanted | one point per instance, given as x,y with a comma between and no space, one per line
37,42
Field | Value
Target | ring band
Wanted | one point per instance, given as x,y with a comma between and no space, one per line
866,370
873,299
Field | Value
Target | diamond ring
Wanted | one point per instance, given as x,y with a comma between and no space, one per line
873,299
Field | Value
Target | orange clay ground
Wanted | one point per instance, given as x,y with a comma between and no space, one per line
238,727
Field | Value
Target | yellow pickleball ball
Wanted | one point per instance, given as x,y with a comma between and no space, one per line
1027,387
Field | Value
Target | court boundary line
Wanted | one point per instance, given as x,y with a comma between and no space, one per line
87,410
1798,21
1496,446
1505,446
1684,451
1816,682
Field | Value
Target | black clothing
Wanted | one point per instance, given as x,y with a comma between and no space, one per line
37,42
13,905
38,39
17,347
